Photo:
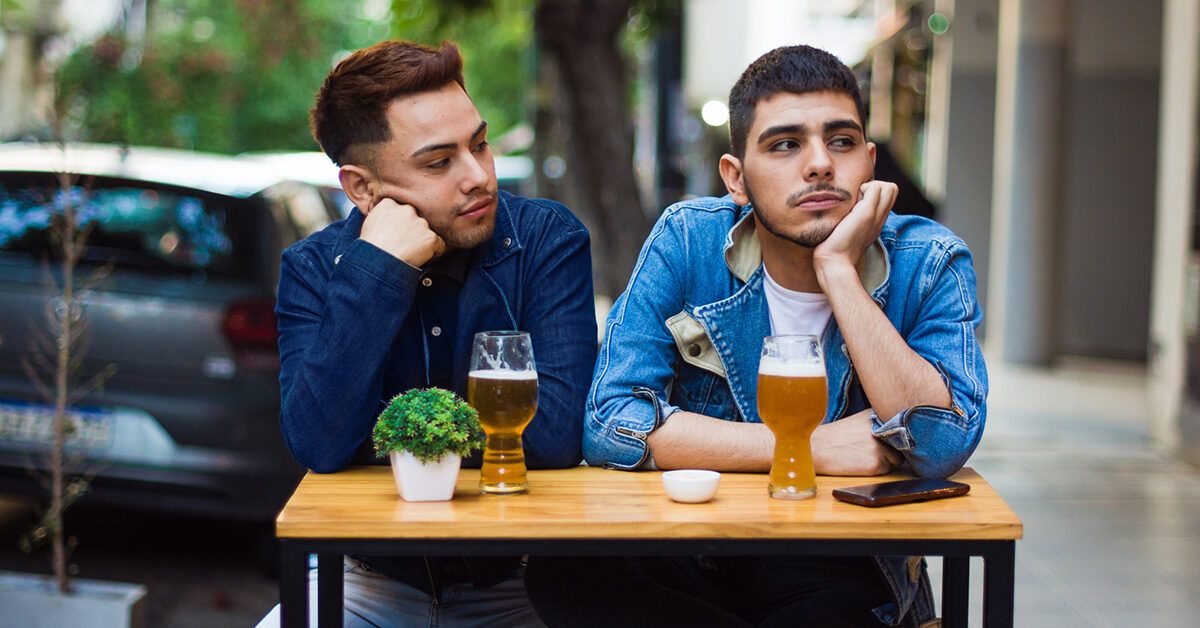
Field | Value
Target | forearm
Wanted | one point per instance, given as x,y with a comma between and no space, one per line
893,376
693,441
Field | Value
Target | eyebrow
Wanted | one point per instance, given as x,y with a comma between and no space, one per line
801,129
444,146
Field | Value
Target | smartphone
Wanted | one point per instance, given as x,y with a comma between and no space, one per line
900,491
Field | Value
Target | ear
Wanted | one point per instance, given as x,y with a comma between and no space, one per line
731,173
871,152
360,185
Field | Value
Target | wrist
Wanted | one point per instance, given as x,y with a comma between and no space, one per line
833,272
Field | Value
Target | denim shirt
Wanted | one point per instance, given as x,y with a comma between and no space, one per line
687,334
342,303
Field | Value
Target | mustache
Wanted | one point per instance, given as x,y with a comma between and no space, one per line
793,199
492,194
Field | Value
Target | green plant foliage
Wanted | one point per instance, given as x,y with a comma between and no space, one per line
429,424
495,38
215,75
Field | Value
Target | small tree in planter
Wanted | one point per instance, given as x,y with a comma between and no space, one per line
426,433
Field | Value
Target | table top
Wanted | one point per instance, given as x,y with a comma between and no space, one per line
593,503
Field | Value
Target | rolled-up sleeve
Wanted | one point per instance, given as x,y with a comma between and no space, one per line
938,441
637,360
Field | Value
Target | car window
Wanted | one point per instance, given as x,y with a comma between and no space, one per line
134,226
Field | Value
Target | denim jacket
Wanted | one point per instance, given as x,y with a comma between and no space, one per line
687,334
341,301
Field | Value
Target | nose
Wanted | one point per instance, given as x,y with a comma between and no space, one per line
476,176
818,166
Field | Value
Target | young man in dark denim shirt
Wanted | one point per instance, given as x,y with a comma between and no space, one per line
390,298
805,243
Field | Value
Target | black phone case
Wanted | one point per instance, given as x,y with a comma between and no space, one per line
863,495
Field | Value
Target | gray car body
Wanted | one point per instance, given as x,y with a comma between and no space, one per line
196,419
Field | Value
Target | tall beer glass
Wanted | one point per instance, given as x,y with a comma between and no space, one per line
791,402
503,387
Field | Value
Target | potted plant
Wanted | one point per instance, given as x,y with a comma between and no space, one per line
426,433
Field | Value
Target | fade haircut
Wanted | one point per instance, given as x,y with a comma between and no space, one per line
793,69
349,119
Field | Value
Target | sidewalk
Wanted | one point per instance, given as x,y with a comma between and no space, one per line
1112,525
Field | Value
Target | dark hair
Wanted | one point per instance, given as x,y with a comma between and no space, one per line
795,69
349,115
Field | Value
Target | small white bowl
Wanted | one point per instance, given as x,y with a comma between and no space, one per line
691,486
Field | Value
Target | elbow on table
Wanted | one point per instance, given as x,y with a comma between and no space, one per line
318,461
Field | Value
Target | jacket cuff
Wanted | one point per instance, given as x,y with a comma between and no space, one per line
894,432
630,428
935,441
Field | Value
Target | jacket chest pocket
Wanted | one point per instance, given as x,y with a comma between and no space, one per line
693,344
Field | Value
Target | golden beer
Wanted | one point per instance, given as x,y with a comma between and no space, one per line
506,401
791,402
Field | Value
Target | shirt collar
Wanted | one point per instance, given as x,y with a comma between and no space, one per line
743,254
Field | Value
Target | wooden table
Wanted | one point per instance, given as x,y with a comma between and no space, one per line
594,511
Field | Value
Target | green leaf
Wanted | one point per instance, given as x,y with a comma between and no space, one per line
428,423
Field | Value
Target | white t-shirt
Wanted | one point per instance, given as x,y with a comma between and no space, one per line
795,312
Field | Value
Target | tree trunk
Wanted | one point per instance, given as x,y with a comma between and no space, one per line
66,332
581,37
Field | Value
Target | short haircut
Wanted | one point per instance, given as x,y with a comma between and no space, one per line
793,69
349,119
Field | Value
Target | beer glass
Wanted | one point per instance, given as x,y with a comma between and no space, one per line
791,402
503,387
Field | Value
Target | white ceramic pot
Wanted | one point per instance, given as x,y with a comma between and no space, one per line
425,481
34,601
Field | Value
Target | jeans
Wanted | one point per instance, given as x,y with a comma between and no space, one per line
373,599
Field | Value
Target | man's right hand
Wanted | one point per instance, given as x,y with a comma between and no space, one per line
847,447
398,230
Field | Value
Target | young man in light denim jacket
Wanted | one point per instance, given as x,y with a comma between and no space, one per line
804,243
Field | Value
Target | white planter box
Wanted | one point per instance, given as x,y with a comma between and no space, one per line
425,482
33,601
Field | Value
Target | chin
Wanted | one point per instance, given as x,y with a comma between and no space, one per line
471,238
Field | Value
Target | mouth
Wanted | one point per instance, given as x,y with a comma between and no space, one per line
479,208
820,201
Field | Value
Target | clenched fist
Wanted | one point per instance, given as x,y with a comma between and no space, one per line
398,230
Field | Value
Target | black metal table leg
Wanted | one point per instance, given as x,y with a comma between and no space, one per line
293,585
999,572
956,588
329,590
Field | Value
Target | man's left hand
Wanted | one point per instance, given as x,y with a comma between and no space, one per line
858,229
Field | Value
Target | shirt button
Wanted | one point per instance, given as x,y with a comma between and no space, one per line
427,282
507,242
436,331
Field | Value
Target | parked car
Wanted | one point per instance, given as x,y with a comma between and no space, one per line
189,423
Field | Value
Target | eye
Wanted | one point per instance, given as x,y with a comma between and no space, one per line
482,146
440,164
843,142
784,145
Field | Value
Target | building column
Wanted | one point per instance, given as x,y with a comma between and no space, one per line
1028,179
1175,416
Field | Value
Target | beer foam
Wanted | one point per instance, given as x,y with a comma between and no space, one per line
503,374
783,368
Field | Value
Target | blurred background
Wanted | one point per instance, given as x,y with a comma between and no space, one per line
1059,138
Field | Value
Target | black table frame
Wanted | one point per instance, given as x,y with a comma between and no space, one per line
999,563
